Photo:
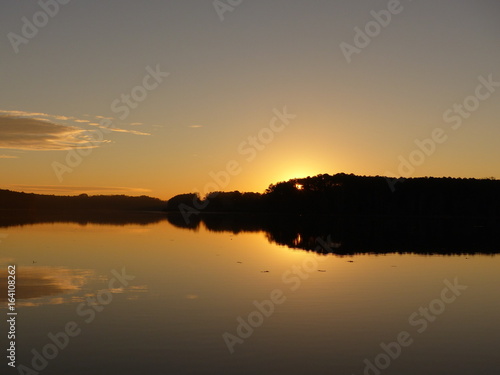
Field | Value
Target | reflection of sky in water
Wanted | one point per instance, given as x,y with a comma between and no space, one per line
199,283
37,286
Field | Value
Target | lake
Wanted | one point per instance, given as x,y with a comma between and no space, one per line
155,297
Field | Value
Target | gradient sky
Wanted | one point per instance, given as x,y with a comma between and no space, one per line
226,80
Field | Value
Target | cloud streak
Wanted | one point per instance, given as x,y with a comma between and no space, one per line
37,134
36,131
9,157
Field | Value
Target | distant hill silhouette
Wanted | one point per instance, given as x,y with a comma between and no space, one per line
343,194
29,201
21,208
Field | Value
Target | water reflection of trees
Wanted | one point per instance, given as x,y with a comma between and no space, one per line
349,235
9,218
343,234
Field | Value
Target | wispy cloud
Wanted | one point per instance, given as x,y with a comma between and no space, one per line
8,157
118,130
31,114
21,133
38,115
195,126
20,130
66,189
128,131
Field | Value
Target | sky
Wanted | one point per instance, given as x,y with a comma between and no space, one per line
168,97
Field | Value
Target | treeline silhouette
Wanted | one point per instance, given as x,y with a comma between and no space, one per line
348,194
18,208
352,214
29,201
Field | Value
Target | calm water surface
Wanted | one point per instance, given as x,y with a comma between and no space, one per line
181,306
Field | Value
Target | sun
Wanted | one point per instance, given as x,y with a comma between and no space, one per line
292,168
291,173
